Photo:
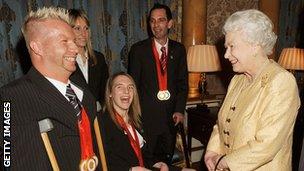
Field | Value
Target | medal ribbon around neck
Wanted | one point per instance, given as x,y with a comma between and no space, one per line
133,141
89,160
161,78
163,93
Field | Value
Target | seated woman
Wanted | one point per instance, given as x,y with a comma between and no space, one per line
123,140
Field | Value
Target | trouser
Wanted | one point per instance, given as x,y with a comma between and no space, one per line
162,145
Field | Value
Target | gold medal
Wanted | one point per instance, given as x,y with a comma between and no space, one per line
89,164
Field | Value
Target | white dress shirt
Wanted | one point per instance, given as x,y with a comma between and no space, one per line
84,66
140,138
63,86
159,46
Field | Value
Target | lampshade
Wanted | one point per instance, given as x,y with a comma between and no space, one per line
292,58
203,58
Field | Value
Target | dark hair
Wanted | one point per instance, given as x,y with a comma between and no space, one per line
161,6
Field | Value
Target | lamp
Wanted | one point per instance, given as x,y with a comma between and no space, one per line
292,59
201,58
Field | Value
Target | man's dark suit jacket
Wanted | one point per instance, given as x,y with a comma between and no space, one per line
119,153
157,114
97,74
32,99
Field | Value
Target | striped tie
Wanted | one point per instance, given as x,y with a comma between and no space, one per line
163,60
73,99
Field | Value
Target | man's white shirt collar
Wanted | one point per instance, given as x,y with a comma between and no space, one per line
158,46
61,87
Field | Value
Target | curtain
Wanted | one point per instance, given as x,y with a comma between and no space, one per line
115,25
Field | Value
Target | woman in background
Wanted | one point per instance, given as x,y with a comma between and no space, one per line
91,65
122,133
255,123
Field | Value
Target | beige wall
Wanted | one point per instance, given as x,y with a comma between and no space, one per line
217,12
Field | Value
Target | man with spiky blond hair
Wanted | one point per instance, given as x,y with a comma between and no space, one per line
43,94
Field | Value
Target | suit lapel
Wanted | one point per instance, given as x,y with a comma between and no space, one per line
151,55
170,64
90,71
87,103
152,63
77,79
79,72
60,109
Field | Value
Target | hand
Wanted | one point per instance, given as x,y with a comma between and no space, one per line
162,166
210,159
138,168
222,165
178,118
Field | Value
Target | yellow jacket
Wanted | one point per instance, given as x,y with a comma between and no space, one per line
255,123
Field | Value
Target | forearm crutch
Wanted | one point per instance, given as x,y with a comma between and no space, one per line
100,145
45,126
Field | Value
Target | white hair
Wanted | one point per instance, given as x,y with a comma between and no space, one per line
42,14
256,26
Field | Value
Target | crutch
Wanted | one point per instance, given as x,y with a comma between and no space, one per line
100,145
45,126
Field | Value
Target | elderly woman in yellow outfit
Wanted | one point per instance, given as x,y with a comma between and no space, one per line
255,123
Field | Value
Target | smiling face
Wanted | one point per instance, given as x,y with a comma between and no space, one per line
81,30
160,24
54,49
122,93
240,53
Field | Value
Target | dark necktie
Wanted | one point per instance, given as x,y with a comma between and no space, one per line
163,60
73,99
89,160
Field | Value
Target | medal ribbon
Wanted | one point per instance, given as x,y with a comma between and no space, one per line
161,78
134,142
85,136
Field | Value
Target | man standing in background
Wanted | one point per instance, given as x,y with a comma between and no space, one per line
159,68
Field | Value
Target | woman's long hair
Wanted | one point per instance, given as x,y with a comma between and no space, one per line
134,112
74,14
